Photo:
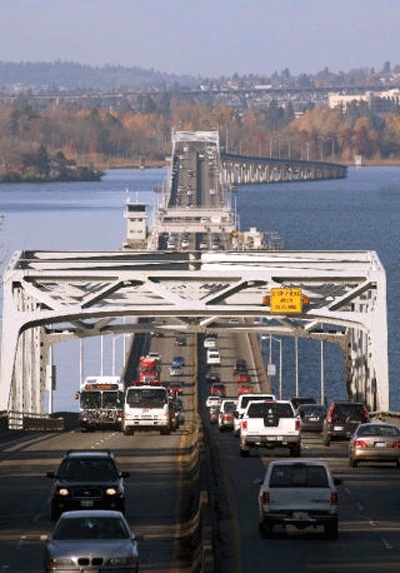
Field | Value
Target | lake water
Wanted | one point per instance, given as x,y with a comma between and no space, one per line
357,213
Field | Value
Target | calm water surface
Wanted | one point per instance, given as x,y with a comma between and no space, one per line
358,213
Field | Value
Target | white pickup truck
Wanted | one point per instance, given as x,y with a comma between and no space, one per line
268,424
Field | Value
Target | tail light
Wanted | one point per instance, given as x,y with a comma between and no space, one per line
244,424
396,444
266,497
360,444
297,424
334,498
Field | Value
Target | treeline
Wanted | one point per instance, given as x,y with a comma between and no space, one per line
33,142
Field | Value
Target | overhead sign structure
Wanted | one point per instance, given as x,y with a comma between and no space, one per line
286,300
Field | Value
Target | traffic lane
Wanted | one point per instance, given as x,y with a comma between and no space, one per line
369,537
151,499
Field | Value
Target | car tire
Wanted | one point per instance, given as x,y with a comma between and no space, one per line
331,530
265,529
55,513
353,462
398,464
165,432
326,441
244,453
295,451
128,432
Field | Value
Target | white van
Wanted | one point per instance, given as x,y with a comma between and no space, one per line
213,356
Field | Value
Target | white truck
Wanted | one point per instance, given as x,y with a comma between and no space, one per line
241,406
301,494
270,424
147,408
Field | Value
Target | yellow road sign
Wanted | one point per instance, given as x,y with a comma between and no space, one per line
286,300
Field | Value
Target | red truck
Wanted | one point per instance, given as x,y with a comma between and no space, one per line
149,371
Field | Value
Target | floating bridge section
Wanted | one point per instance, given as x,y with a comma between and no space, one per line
51,297
238,170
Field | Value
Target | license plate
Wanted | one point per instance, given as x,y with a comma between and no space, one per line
312,419
338,428
380,444
87,503
300,515
274,438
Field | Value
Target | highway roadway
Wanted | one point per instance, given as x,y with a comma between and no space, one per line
369,499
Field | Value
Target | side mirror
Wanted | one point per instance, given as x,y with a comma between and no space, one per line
337,481
51,474
124,474
258,481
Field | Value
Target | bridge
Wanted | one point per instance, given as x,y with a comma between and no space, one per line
240,169
51,297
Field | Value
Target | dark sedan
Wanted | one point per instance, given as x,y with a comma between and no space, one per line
311,417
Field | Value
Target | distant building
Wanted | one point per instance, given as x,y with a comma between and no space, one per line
382,101
136,226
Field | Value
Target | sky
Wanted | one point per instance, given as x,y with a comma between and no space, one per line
207,38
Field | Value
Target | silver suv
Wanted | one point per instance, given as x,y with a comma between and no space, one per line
301,494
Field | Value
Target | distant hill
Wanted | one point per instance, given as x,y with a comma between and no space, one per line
70,76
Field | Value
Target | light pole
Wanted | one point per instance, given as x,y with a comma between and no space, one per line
296,355
115,337
279,341
322,374
81,360
101,355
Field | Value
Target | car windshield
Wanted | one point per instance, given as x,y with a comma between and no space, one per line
88,469
148,398
229,407
312,409
377,430
299,475
91,528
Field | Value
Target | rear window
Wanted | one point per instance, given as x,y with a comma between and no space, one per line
298,476
343,411
270,409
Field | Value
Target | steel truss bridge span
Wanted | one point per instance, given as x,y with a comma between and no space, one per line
51,297
238,169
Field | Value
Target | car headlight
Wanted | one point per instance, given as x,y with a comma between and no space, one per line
112,491
128,560
63,491
60,562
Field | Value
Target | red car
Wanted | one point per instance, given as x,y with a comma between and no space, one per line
218,389
242,378
175,388
245,389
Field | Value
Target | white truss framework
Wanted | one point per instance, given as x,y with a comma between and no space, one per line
54,296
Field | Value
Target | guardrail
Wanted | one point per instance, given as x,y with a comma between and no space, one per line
14,420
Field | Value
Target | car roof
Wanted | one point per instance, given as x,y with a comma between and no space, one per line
89,453
303,462
91,513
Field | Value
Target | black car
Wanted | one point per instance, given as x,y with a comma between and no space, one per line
311,416
87,479
342,420
212,377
